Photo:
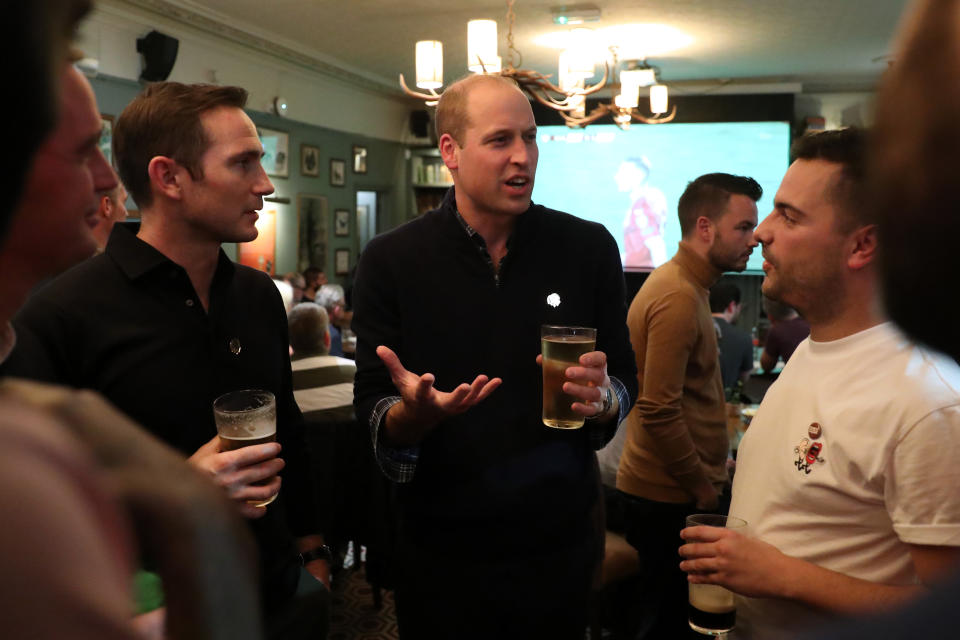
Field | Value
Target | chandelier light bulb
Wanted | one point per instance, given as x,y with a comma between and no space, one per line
630,80
482,46
658,98
429,64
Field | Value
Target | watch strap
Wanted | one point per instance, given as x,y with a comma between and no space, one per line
317,553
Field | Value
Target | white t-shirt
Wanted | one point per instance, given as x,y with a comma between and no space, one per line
883,470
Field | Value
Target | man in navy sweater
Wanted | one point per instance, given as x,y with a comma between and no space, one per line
499,533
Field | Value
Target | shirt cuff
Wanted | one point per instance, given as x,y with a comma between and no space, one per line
601,434
397,464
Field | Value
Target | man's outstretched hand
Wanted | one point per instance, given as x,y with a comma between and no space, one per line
422,406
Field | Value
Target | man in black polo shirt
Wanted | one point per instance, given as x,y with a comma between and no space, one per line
163,322
499,531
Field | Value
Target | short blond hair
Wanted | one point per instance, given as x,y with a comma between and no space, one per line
452,114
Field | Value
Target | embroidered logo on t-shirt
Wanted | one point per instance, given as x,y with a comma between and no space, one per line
809,455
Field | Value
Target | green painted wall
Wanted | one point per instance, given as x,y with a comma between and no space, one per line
386,174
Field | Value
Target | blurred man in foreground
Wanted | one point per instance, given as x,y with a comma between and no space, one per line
163,322
78,474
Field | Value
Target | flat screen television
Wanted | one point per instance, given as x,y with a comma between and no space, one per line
630,181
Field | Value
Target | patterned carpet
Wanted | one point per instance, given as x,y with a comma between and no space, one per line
353,616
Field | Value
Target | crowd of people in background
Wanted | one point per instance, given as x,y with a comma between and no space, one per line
115,478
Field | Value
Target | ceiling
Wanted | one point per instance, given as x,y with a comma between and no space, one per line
823,44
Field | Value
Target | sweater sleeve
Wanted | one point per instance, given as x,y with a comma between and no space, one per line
672,331
376,321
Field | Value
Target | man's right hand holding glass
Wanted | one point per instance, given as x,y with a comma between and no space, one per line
239,471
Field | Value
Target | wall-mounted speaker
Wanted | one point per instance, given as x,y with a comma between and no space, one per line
420,123
159,53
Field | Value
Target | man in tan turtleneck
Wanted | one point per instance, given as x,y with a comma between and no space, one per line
674,460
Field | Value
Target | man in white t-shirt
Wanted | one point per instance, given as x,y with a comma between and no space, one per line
847,476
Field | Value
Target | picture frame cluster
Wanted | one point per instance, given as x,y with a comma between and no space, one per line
313,214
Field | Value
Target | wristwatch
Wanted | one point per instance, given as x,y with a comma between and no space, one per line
605,406
607,402
318,553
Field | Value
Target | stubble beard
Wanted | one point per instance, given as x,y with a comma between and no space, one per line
723,260
818,297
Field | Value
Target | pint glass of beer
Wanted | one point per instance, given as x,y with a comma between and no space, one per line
712,609
246,418
562,347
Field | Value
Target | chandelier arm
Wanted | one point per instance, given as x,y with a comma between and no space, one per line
541,89
538,87
416,94
600,111
546,99
600,85
656,120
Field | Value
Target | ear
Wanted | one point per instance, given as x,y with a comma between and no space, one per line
704,229
864,247
732,307
166,176
326,339
106,207
449,151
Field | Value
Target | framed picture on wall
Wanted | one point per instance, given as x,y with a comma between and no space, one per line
359,159
341,223
106,137
309,160
311,231
341,262
276,151
338,173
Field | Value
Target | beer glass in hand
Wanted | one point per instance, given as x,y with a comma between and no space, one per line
712,608
245,418
561,348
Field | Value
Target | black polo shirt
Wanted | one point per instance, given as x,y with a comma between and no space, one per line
128,323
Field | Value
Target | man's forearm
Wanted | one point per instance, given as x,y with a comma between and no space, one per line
832,591
399,430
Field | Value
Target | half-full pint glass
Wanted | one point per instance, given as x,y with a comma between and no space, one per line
562,347
246,418
712,609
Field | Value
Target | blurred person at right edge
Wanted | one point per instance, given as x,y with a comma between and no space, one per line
847,477
674,460
81,496
912,178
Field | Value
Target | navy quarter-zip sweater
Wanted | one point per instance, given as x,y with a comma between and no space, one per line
494,473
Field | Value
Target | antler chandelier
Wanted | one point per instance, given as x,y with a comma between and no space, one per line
569,98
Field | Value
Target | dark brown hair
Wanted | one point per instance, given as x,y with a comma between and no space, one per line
164,120
846,147
708,196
